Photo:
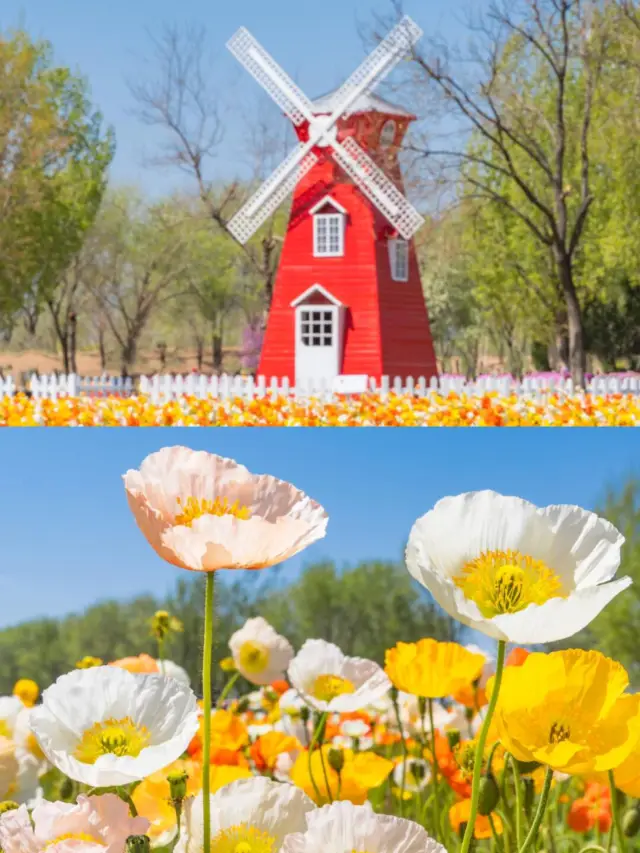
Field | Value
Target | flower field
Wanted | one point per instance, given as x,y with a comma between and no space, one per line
441,746
453,409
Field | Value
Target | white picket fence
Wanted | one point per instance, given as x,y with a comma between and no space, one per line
161,388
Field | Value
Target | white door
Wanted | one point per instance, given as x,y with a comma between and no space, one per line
317,343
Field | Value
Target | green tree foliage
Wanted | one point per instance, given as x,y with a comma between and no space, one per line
365,610
54,156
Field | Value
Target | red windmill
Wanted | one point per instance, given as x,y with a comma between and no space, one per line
347,299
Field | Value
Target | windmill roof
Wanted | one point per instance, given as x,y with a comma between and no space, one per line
365,104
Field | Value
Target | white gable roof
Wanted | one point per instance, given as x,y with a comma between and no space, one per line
324,202
316,288
364,104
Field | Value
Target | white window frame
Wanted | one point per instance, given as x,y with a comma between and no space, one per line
399,274
328,219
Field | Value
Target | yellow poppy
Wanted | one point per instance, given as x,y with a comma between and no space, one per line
432,669
360,773
568,710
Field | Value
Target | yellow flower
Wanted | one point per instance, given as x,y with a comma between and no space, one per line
568,710
88,661
227,664
361,773
432,669
26,690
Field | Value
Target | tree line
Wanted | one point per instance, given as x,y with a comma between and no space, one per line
525,158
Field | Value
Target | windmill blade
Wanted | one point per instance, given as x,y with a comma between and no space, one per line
263,67
378,64
272,193
377,187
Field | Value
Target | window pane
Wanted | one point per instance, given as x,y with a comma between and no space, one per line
316,328
316,315
327,342
316,342
305,316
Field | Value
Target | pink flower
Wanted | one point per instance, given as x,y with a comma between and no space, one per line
95,825
204,512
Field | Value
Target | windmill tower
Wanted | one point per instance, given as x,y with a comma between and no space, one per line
347,299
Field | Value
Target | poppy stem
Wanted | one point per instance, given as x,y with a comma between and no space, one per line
615,811
479,755
227,689
405,750
317,735
434,771
542,805
206,710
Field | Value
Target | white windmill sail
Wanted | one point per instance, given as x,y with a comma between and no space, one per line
322,131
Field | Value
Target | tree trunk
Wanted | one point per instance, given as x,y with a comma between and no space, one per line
73,323
577,358
128,357
216,351
102,349
199,352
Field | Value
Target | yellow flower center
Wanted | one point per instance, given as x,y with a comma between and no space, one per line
559,732
4,729
112,737
327,687
242,839
74,836
507,582
34,747
465,756
194,508
253,657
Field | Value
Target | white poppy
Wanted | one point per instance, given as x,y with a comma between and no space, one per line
260,654
417,774
173,670
203,512
328,680
10,709
291,702
355,728
343,827
248,814
516,572
106,726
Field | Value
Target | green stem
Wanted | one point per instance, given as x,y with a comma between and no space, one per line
518,793
124,795
405,752
494,832
434,771
316,735
177,807
206,709
479,755
227,688
542,805
615,811
161,654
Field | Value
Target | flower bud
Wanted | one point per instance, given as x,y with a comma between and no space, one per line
489,794
178,785
336,759
631,821
453,737
228,665
137,844
67,788
243,705
26,690
304,714
8,806
88,661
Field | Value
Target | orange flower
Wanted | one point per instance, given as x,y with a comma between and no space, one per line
265,750
471,697
458,781
142,663
459,814
517,656
592,809
229,736
279,686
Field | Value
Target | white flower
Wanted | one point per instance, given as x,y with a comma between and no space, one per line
291,702
203,512
260,654
355,728
514,571
106,726
328,680
249,814
342,828
257,729
417,774
174,670
10,708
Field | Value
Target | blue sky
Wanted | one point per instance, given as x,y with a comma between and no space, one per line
317,43
69,539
